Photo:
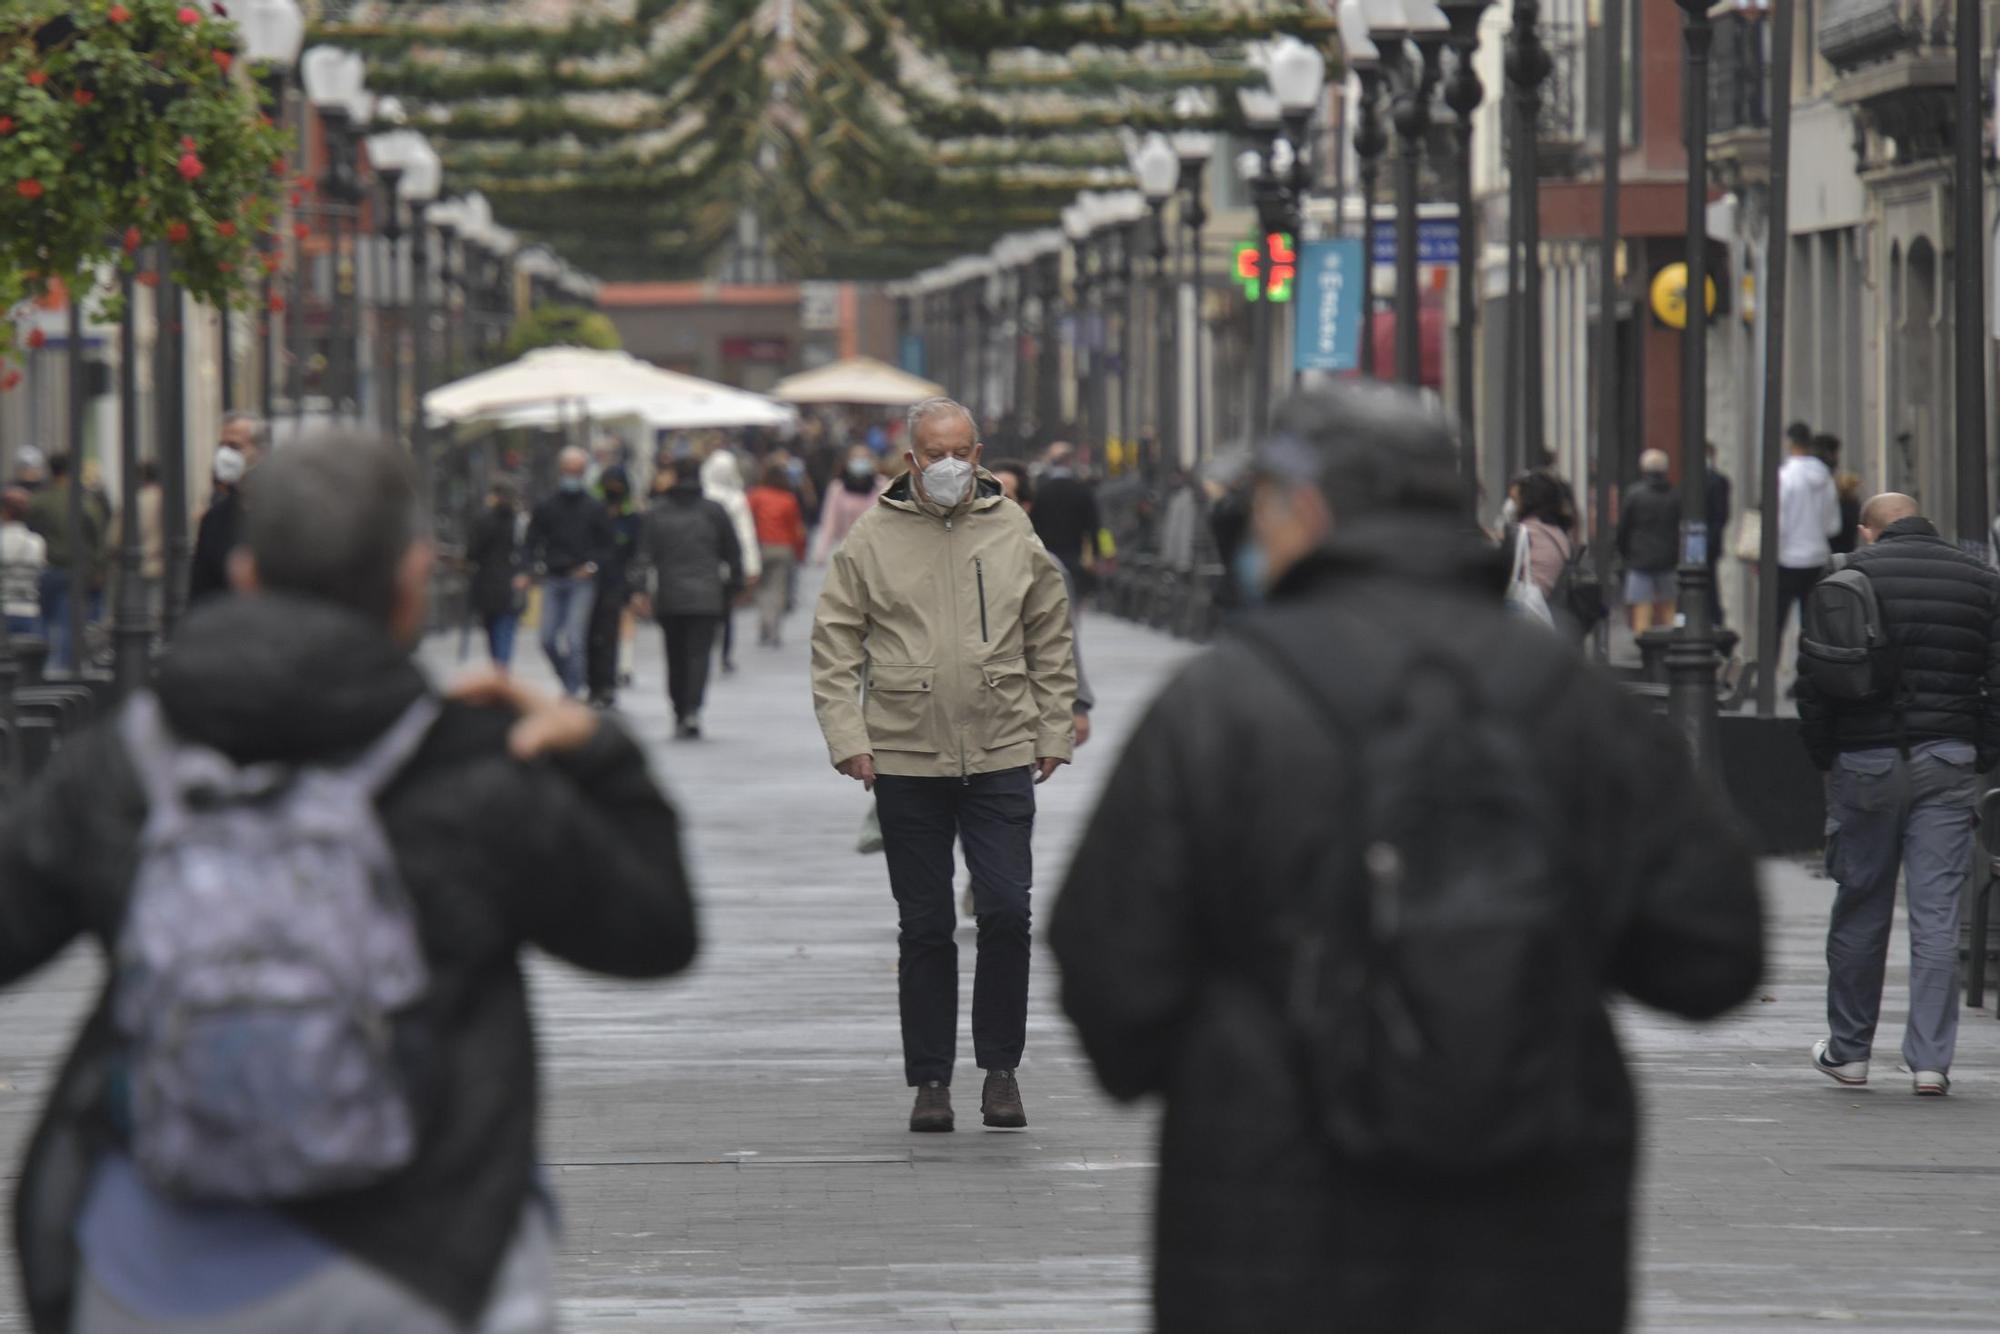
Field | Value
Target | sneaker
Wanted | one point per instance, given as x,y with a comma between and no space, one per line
932,1114
1930,1083
688,729
1849,1072
1001,1102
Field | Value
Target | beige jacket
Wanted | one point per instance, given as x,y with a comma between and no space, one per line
958,626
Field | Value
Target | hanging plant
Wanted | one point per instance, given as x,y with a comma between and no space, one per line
121,126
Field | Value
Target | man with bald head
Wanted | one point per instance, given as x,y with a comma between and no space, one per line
1903,766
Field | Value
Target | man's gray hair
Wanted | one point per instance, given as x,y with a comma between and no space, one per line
257,434
937,407
332,518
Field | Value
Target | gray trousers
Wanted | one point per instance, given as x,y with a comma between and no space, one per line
1886,814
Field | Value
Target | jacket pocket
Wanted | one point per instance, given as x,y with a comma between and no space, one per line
1868,780
899,709
1007,705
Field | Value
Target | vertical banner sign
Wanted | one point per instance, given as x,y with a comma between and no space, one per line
1332,282
911,353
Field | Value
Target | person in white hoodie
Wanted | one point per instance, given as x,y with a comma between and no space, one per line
722,482
1808,521
23,556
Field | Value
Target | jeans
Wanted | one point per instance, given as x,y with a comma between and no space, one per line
690,648
1793,585
778,562
500,638
24,627
55,617
993,815
1886,813
566,607
607,617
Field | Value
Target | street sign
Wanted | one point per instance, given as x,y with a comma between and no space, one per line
911,354
1284,265
1437,241
1331,286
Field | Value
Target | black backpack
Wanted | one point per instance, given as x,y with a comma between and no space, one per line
1844,648
1578,590
1442,989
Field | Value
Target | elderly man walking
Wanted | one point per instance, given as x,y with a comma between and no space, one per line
569,534
944,679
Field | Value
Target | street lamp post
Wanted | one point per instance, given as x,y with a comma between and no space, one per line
1195,147
273,33
1463,95
1691,658
1969,339
334,82
422,177
132,635
1370,142
1528,65
1413,79
1048,293
1257,168
169,393
1076,225
1297,76
1159,170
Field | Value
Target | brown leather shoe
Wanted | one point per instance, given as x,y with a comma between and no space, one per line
1001,1102
932,1114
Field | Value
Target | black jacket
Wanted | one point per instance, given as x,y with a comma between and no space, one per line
1649,526
688,554
496,558
579,855
219,533
1941,609
1066,517
571,529
1174,933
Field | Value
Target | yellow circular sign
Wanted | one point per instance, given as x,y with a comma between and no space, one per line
1670,295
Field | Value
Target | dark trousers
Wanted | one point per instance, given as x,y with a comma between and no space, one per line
1793,585
993,815
729,638
690,645
601,646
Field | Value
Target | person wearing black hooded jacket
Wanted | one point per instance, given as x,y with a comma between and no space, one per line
520,821
1179,922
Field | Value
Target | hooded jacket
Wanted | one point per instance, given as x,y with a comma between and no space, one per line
956,622
1178,922
722,482
578,854
688,558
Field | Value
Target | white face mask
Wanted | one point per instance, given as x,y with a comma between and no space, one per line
947,481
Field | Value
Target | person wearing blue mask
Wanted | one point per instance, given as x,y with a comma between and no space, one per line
569,536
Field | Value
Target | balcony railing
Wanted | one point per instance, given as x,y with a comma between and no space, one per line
1739,86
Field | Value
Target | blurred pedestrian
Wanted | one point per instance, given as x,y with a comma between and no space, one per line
1904,750
31,469
1847,490
860,485
1545,520
240,446
1066,516
1017,483
1808,521
943,679
567,537
23,558
614,584
499,571
1649,542
197,1166
722,482
73,541
781,538
687,572
1370,1000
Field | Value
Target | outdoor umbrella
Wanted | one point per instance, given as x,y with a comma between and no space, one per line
565,381
675,402
859,381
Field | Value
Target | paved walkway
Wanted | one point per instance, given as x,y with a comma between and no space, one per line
729,1149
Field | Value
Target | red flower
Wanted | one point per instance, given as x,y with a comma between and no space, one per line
300,230
36,338
9,380
187,143
271,263
6,124
223,60
277,302
177,232
149,279
119,14
84,97
191,168
189,15
298,198
132,240
226,266
37,77
225,229
28,189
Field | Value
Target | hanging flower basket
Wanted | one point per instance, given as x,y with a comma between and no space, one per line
125,123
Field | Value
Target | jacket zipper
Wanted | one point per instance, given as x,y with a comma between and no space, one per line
979,571
964,762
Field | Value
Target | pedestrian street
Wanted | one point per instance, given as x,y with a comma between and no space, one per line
729,1150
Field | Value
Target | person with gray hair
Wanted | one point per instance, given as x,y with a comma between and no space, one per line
944,681
1649,543
514,820
1351,903
568,535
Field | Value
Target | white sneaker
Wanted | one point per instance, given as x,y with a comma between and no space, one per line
1850,1072
1930,1083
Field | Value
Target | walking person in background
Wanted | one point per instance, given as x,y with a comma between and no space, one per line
722,482
1374,1005
1847,489
1904,758
1649,542
1018,485
499,571
1808,521
49,516
1546,521
861,483
687,570
1720,503
23,558
569,534
781,539
943,679
1066,516
614,585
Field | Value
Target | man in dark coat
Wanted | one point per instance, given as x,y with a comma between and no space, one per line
1066,516
614,587
1904,781
688,568
1178,925
1649,542
568,536
520,821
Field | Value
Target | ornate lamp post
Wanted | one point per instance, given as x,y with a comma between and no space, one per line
1048,293
1528,65
1076,225
1370,142
1195,147
392,153
422,177
273,31
1297,76
334,82
1257,169
1159,170
1463,95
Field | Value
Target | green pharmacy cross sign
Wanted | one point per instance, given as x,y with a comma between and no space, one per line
1284,267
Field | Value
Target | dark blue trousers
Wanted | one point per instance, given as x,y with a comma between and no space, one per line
993,815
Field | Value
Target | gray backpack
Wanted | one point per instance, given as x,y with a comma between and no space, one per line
1844,647
267,953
